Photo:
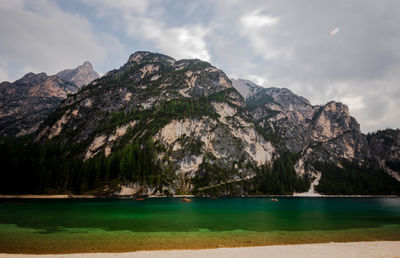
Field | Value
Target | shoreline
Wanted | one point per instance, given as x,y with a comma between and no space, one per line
45,196
332,249
87,196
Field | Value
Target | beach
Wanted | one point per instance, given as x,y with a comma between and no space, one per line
326,250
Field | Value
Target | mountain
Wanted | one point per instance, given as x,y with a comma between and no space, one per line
319,134
185,111
81,75
160,126
385,145
26,102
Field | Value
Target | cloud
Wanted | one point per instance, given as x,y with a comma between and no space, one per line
257,20
142,21
178,42
103,6
322,50
40,36
256,27
3,75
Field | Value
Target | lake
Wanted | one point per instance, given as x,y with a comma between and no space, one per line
121,225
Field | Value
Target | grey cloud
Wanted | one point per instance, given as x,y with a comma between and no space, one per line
38,36
282,43
358,62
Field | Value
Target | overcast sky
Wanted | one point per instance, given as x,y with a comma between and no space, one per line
347,51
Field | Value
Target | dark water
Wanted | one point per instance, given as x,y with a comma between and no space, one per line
117,225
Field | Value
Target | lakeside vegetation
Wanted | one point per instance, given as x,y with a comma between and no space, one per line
30,169
351,179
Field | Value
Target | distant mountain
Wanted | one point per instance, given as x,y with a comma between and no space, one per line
81,75
26,102
246,88
160,126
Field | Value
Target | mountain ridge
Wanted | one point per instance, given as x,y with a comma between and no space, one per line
329,123
160,126
26,102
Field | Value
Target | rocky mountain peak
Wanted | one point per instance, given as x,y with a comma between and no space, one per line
339,107
81,75
27,102
146,56
186,78
286,97
245,87
32,78
87,65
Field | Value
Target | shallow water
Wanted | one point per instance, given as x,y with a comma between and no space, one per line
119,225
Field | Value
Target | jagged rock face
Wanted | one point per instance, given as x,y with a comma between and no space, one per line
385,145
81,75
26,102
338,134
187,107
319,133
245,88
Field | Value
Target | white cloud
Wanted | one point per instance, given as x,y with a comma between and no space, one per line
178,42
43,37
274,43
257,79
257,20
258,29
355,103
142,21
332,51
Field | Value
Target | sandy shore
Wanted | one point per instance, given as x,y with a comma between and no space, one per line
326,250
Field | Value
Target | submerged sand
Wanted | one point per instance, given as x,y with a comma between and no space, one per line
326,250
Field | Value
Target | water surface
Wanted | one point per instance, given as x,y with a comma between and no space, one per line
119,225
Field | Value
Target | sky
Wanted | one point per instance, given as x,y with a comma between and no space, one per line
323,50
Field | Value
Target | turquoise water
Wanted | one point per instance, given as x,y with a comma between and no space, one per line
113,225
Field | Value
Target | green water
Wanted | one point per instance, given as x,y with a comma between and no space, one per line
119,225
